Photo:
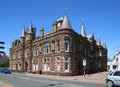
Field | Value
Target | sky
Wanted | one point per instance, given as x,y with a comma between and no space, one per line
101,17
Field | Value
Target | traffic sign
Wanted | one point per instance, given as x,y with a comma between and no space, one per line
84,62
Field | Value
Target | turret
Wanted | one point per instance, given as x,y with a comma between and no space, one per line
66,24
91,38
104,45
23,36
31,33
83,33
98,42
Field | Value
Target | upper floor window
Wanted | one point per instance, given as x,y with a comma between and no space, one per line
66,44
35,50
46,48
58,45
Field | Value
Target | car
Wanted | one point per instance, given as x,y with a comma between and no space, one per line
5,71
113,78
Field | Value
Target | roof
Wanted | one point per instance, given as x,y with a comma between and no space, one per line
23,33
83,33
30,28
66,23
98,42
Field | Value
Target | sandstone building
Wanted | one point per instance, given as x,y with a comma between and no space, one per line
60,52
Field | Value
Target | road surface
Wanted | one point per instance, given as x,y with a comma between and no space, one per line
27,81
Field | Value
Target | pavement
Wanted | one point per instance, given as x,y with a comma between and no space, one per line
97,78
3,84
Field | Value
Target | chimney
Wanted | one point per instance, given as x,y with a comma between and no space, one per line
42,32
54,27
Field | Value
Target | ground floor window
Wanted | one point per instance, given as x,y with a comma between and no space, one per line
35,65
58,63
46,64
66,64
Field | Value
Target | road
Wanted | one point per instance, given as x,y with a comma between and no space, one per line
27,81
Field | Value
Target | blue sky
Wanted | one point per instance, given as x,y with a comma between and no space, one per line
100,16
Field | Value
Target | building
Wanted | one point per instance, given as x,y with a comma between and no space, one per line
114,64
58,53
4,59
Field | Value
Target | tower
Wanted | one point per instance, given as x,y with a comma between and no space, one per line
22,49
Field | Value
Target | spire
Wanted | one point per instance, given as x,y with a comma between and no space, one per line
104,45
23,32
98,42
83,33
30,28
66,23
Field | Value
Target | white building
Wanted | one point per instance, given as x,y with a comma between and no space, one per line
114,64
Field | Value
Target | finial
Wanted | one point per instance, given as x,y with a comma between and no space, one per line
82,21
65,11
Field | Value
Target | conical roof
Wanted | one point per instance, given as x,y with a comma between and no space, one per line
83,33
104,45
66,23
98,42
30,28
23,33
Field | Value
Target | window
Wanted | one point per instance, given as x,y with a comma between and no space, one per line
35,65
47,64
117,73
58,45
66,45
35,50
46,48
66,64
58,63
